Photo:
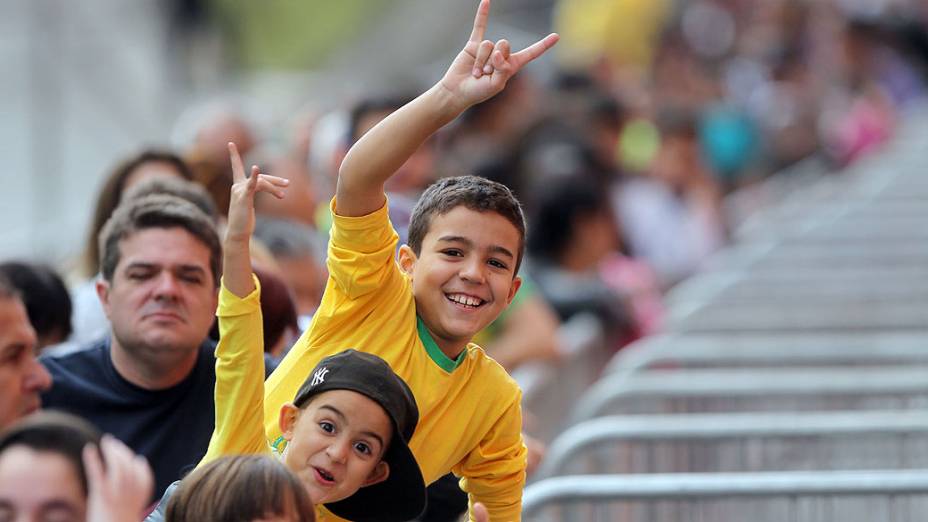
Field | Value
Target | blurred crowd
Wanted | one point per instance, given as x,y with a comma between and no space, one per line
622,159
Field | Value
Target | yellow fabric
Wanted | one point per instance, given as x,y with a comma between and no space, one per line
239,391
470,419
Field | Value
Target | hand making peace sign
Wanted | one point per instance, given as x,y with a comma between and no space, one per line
236,258
242,205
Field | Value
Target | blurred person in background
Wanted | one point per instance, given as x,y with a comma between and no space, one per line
298,261
22,378
89,321
46,298
575,259
673,217
301,205
206,131
278,314
55,466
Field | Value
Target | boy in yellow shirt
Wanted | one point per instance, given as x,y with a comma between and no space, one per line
456,275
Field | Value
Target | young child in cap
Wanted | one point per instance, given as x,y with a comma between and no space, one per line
345,433
456,275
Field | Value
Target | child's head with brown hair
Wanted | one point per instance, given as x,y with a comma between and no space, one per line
466,242
242,488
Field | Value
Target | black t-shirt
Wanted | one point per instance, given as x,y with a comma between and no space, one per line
170,427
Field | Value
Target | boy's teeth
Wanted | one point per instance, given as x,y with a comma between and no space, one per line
465,299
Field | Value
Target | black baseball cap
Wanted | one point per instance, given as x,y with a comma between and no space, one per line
402,495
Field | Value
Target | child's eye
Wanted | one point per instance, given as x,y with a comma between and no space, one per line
497,264
327,426
452,252
362,447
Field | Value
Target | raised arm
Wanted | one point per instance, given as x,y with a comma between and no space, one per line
239,390
479,72
236,258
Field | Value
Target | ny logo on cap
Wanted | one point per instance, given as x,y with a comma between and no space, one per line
319,376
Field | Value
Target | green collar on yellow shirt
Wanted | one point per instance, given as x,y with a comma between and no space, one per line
431,347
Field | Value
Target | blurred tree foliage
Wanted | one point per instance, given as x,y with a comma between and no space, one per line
291,34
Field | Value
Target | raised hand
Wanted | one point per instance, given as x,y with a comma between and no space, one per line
242,204
236,258
483,67
122,490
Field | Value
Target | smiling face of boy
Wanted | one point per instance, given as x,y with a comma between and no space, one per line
464,275
335,444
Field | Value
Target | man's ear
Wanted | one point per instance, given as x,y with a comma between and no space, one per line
103,292
408,259
516,284
379,474
287,420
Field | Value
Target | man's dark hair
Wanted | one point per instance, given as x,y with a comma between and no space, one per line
53,432
157,211
472,192
192,192
45,295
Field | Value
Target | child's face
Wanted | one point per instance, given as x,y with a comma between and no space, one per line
463,277
335,443
39,485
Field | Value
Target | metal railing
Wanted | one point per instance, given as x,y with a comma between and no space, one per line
846,496
741,442
781,350
768,389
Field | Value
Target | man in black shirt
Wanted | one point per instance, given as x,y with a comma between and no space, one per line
151,382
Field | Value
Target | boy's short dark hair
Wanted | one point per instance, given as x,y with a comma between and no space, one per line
181,188
157,211
472,192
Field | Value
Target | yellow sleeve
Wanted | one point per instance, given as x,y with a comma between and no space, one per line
493,473
239,392
359,250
